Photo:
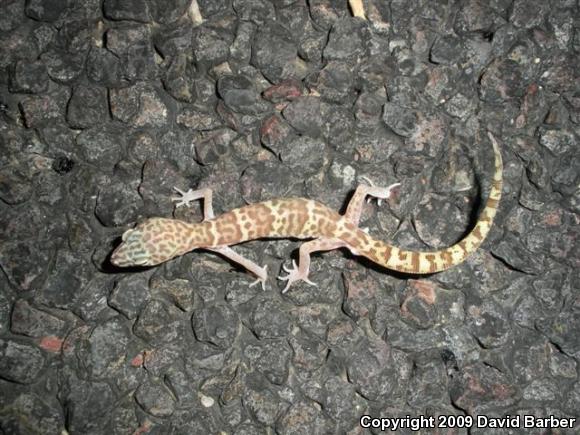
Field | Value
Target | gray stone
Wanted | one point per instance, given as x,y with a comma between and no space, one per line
270,320
401,120
447,50
562,330
348,39
130,295
335,82
30,321
159,323
132,10
29,77
309,352
178,81
258,11
174,40
45,10
271,358
108,344
304,417
87,403
217,324
63,67
100,146
489,324
213,145
87,107
240,94
104,68
20,362
11,15
305,153
480,388
28,410
274,52
117,205
306,115
39,110
168,11
515,254
211,7
140,105
210,46
155,399
559,141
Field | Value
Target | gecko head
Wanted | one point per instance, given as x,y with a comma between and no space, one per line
150,243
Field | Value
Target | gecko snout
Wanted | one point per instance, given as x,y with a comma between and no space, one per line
132,251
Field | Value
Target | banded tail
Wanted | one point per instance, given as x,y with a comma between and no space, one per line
422,262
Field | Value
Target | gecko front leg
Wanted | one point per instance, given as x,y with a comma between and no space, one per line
300,272
354,208
192,195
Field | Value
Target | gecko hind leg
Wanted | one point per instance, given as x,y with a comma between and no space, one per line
192,195
260,272
300,272
354,208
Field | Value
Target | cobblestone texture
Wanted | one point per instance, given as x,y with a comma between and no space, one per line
105,105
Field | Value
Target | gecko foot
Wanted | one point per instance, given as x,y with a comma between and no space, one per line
261,279
379,193
186,197
294,275
191,195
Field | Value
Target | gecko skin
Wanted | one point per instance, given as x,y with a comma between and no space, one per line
158,240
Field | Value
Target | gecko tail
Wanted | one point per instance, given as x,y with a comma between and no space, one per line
424,262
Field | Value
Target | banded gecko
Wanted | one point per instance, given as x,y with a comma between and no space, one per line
158,239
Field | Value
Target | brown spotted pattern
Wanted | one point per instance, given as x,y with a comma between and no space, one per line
278,218
157,240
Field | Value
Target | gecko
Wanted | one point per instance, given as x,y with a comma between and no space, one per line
157,240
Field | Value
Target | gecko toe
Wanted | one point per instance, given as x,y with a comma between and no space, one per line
307,281
368,180
261,279
293,276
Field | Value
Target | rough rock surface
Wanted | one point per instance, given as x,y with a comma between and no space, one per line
105,105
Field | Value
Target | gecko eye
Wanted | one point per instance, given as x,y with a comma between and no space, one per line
126,234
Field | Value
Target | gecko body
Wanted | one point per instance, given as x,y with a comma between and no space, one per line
158,240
